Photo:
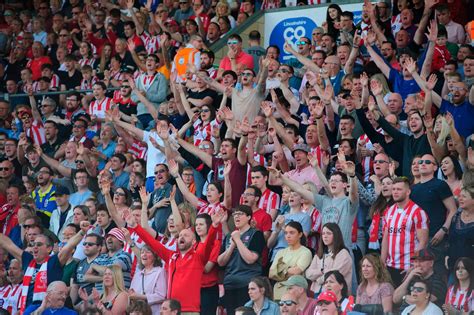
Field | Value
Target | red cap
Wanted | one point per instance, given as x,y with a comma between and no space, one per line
118,234
327,296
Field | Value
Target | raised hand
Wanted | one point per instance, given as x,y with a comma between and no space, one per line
313,159
218,217
227,168
431,82
84,225
83,294
432,34
272,132
287,47
105,188
126,234
143,195
364,79
348,168
376,87
173,168
410,65
318,109
245,126
266,108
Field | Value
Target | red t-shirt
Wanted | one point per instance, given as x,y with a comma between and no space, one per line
35,66
238,175
263,223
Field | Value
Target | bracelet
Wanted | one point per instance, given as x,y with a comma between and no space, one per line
318,117
444,229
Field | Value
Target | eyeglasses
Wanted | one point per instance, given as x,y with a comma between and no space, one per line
427,162
286,302
44,172
4,168
380,161
417,289
88,244
247,74
302,43
205,110
160,171
248,195
238,214
232,42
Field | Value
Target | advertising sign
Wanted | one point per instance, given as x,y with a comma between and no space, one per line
291,25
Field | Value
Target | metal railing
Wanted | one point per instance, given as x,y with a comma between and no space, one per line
6,96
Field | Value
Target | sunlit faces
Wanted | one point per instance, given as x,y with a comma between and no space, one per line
255,292
213,194
387,187
186,239
332,285
400,192
415,167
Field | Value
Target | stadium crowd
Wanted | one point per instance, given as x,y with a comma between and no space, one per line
338,181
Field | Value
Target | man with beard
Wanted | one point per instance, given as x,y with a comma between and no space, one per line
207,62
461,107
115,255
73,104
407,227
53,142
185,266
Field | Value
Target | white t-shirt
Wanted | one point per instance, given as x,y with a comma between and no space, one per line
153,156
431,309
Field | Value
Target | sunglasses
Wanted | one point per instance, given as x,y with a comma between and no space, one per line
125,86
88,244
205,110
120,194
417,289
27,226
247,74
286,302
380,161
302,43
204,146
427,162
78,161
4,168
232,42
160,171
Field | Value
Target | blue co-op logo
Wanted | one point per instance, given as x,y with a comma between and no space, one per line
291,30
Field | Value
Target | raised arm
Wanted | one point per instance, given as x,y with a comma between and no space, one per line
105,187
432,36
7,244
294,186
349,66
379,61
34,106
227,185
145,197
308,63
66,252
203,156
190,197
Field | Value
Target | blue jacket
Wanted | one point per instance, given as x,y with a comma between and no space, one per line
269,307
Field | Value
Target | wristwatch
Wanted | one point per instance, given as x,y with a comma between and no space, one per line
445,230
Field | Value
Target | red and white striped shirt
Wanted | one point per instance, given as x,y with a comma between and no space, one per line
54,85
204,132
152,43
9,298
87,84
98,108
138,149
319,154
461,300
36,132
260,159
316,224
87,61
270,200
401,225
126,248
204,207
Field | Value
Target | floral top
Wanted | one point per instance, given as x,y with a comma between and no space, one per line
385,289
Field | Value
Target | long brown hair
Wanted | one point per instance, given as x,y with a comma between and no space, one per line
381,272
338,240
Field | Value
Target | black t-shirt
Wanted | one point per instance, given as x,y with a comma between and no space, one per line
429,196
237,272
70,81
203,94
51,149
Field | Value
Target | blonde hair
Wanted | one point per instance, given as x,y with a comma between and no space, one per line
444,132
119,285
381,79
223,4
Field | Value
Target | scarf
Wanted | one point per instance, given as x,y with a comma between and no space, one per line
374,231
40,285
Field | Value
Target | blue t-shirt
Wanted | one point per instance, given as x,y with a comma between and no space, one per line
54,272
463,115
49,311
402,86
